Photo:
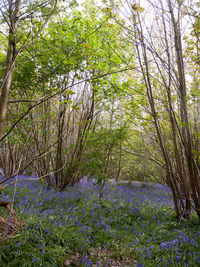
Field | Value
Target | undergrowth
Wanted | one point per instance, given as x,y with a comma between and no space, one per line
135,227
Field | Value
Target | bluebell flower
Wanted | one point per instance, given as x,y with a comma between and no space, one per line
177,258
34,259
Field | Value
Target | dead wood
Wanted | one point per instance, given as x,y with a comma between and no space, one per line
10,224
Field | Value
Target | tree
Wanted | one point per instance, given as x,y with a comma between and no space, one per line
54,90
168,77
12,16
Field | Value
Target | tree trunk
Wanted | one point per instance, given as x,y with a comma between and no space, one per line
186,132
10,61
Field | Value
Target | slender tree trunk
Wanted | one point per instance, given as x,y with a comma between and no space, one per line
186,131
59,151
10,60
119,162
175,187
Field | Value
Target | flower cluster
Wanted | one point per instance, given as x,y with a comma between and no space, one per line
135,225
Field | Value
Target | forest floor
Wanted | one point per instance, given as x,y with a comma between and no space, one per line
135,227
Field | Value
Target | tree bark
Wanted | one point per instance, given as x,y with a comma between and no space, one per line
10,60
186,131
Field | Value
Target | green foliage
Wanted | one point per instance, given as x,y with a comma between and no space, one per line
137,8
100,151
